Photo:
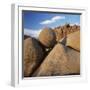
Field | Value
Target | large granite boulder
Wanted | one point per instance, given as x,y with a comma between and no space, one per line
33,55
47,37
73,40
60,61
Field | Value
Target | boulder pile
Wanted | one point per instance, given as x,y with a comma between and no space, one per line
62,31
56,52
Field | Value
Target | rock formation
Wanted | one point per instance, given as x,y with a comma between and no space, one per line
73,40
60,61
33,55
47,37
55,52
63,31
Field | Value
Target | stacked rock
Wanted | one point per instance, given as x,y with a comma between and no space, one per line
63,47
47,37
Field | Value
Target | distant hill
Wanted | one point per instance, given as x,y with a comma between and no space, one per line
60,31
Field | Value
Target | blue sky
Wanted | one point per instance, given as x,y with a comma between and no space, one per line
37,20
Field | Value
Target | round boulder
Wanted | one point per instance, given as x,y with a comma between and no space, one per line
47,37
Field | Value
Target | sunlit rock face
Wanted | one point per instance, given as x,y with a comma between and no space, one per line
73,40
60,61
47,37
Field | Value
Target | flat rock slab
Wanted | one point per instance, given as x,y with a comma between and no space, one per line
73,40
60,61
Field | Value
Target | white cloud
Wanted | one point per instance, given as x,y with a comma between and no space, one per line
46,22
52,20
58,17
32,33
